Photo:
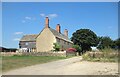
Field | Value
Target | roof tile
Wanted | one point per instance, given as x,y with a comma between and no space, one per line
31,37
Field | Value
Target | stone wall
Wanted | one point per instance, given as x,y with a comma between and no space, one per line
44,53
60,53
10,53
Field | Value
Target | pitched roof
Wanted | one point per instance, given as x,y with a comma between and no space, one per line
31,37
60,35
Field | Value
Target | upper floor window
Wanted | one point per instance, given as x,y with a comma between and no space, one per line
58,39
64,42
26,43
68,43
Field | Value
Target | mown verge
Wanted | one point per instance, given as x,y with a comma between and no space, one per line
13,62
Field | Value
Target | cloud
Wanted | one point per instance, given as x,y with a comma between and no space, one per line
43,15
28,18
52,15
16,39
49,15
18,33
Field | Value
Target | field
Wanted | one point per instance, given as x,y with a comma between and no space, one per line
13,62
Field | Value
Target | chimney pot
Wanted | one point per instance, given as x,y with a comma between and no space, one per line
47,22
58,28
66,32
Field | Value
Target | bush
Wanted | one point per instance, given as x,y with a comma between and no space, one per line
56,47
77,47
106,55
71,50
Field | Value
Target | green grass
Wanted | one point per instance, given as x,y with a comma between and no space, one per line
0,64
13,62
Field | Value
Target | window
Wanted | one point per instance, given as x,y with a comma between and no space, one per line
58,40
68,43
20,46
26,43
64,42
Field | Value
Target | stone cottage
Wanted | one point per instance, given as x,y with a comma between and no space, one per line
43,41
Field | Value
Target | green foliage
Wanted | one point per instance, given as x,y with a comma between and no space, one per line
107,50
56,46
117,43
77,47
105,42
84,38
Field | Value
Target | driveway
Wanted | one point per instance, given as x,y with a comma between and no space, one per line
71,66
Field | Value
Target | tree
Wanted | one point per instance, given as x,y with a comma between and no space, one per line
117,43
56,46
78,48
105,42
85,38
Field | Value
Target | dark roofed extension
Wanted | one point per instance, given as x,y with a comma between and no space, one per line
31,37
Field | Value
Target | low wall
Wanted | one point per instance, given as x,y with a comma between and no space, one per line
9,53
44,53
102,54
60,53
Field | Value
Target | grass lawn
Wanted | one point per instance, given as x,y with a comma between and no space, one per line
13,62
0,64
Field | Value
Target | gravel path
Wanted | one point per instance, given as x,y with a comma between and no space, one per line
71,66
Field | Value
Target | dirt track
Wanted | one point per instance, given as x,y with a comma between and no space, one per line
72,66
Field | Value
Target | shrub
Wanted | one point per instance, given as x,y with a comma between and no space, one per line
77,47
56,47
104,55
71,50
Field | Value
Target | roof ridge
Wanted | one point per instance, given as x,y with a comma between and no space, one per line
57,31
31,34
29,37
57,34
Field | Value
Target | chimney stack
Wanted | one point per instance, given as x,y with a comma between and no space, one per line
58,28
47,22
66,32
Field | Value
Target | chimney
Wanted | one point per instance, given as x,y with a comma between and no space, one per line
66,32
47,22
58,28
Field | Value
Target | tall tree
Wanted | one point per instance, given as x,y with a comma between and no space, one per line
117,43
84,38
105,42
